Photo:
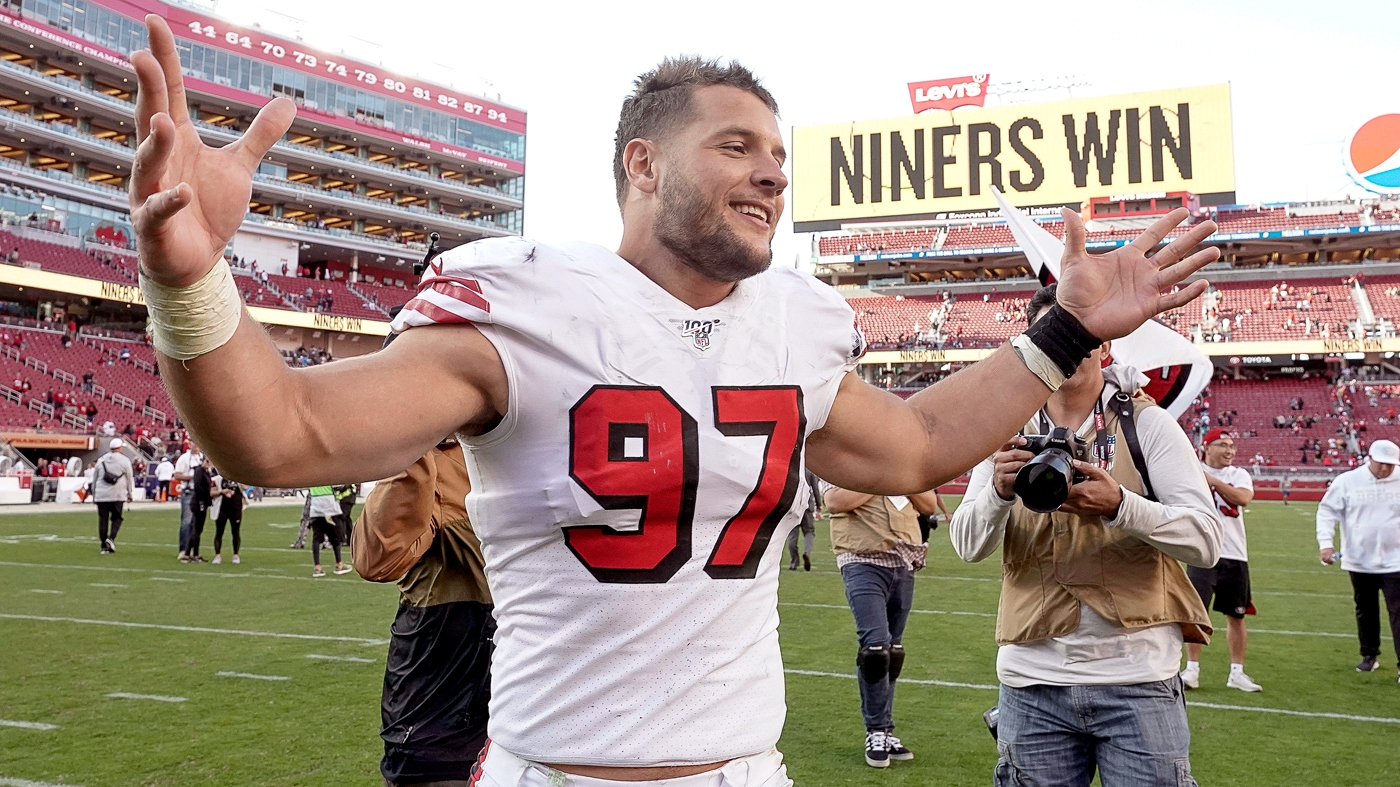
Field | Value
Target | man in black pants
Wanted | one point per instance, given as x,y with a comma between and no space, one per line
201,497
437,682
231,514
111,488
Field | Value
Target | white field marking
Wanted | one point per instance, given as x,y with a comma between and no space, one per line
27,725
283,526
196,629
945,683
250,675
52,538
105,585
50,592
922,575
167,579
126,695
355,659
1299,593
10,781
190,572
912,611
1189,703
1302,633
1309,714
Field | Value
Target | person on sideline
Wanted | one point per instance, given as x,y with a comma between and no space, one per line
112,482
1228,580
1363,503
1285,488
201,490
1094,603
184,474
929,522
325,527
878,549
230,513
164,472
807,526
437,682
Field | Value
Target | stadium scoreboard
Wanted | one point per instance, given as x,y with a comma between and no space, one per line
1040,155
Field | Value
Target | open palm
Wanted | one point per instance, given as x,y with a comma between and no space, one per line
1112,294
188,199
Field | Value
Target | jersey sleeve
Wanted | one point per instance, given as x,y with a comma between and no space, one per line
471,284
837,344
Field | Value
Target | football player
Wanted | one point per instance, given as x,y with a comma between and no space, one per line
627,479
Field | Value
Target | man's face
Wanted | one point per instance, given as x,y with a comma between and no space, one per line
721,185
1221,453
1380,469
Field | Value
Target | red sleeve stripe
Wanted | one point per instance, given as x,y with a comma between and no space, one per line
432,312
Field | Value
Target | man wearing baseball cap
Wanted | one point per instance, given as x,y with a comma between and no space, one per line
1365,502
111,488
1228,580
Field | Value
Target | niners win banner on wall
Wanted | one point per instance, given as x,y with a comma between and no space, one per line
1049,154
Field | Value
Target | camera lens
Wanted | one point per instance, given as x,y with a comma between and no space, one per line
1043,483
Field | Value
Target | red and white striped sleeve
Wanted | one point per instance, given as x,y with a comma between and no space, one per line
458,285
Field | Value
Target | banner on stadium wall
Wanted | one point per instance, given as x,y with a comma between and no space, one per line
1054,153
948,93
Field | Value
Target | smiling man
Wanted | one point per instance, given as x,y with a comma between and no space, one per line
635,423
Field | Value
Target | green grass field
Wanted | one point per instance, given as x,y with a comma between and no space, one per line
268,617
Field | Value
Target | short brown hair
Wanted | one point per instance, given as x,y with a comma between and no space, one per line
662,97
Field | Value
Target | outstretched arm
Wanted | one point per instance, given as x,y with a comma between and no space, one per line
260,421
875,442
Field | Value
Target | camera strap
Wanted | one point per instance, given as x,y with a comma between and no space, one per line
1101,436
1122,405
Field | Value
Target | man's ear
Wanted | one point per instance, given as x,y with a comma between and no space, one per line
640,160
1106,357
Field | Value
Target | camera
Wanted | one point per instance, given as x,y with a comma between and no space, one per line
1044,482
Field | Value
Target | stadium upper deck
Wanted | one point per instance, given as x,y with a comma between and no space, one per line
374,162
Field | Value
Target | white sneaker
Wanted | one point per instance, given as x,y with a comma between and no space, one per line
1191,678
218,559
235,560
1241,681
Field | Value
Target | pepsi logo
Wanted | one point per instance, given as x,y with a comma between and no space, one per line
1373,154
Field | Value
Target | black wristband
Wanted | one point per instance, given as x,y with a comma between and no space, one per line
1063,339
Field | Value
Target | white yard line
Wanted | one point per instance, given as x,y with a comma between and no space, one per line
10,781
167,579
912,611
355,659
49,592
1189,703
105,585
194,629
206,573
250,676
126,695
27,725
1302,633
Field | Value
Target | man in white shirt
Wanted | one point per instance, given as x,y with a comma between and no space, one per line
1365,502
184,473
112,481
1228,580
164,472
1094,606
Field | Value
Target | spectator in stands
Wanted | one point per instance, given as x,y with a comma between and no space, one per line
1362,502
109,429
164,472
230,513
87,381
13,257
112,482
125,354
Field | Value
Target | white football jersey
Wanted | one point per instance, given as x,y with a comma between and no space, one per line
633,501
1233,544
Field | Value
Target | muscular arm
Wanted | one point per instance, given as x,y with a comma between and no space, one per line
878,443
927,502
357,419
839,501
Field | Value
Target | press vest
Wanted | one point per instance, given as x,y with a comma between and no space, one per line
875,526
1052,563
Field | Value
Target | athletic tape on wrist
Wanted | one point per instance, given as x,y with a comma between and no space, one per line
1062,338
187,322
1038,362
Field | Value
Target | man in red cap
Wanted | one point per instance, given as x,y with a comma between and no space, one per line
1228,580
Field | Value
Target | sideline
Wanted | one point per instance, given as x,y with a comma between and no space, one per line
28,725
140,506
912,611
1189,703
367,641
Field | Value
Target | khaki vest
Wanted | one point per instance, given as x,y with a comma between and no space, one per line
875,527
1052,563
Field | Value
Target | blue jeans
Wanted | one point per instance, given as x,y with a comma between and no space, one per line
880,599
186,516
1056,736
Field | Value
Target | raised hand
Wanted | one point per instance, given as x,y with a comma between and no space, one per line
188,199
1112,294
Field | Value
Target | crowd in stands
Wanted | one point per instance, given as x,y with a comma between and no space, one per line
307,356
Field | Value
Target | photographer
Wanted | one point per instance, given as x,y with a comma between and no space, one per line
1094,605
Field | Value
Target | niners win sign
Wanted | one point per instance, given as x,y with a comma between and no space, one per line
1039,155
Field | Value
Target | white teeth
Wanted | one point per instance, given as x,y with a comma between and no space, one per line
753,210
